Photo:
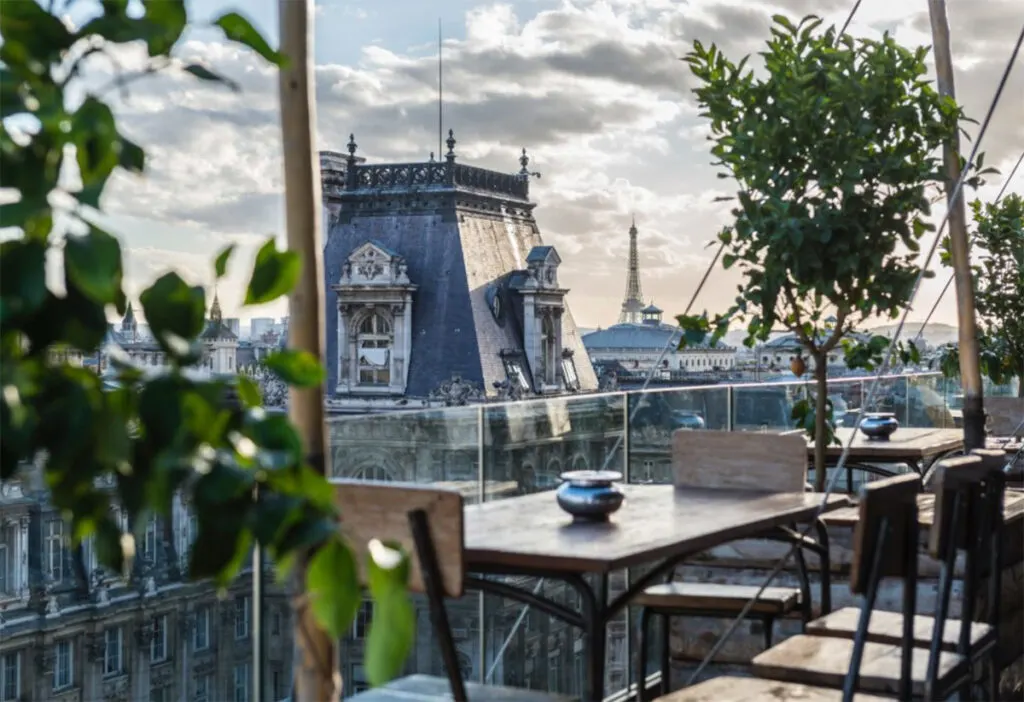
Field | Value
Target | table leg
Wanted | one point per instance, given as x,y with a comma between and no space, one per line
596,618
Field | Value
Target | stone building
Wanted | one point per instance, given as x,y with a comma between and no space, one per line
652,344
439,289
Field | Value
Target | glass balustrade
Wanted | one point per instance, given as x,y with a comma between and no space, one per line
68,630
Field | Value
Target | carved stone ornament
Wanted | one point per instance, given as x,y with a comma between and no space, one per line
369,266
44,659
115,690
457,392
509,391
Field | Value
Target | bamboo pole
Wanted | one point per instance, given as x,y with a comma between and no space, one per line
316,677
970,368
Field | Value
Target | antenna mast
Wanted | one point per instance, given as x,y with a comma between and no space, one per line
440,93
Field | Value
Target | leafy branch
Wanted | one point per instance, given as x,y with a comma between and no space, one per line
243,469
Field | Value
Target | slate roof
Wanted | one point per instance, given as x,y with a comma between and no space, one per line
454,255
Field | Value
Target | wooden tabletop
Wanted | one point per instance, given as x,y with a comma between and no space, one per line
907,444
655,522
1013,511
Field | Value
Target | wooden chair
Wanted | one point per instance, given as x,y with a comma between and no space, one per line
427,523
885,545
737,461
1005,416
976,482
825,669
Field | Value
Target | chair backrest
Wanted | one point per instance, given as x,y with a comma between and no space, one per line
739,460
1006,414
891,502
963,477
379,510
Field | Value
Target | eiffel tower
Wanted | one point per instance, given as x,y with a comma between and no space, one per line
633,303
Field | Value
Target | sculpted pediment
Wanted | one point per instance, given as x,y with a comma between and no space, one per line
373,264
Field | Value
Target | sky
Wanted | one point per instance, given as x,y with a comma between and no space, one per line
593,89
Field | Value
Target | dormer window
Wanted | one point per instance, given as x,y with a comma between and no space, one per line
374,322
516,374
569,377
549,350
374,344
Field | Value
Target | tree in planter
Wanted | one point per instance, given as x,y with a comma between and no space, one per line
242,468
999,292
834,150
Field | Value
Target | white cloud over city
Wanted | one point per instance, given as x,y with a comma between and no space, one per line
594,91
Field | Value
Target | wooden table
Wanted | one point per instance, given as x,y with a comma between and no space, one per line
532,536
913,447
1013,511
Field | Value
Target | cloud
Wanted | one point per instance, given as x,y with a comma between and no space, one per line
594,90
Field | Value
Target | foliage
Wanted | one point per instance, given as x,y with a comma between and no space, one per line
834,151
243,468
998,274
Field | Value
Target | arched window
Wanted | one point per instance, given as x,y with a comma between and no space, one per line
374,350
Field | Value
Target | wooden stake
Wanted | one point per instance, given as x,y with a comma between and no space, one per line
316,676
970,368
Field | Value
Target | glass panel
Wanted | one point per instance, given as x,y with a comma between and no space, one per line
438,447
764,407
526,446
655,415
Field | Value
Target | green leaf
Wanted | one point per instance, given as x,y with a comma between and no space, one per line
238,29
274,274
393,628
37,33
203,73
249,391
175,312
297,368
332,583
168,19
93,262
109,550
22,278
131,157
220,265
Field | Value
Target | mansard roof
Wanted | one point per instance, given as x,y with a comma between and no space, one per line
465,234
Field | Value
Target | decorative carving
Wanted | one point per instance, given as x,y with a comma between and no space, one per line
99,586
95,647
456,392
116,690
509,391
406,175
144,633
44,659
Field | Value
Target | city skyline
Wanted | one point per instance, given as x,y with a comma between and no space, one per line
593,90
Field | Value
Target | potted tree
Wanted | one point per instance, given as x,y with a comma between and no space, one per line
150,436
834,147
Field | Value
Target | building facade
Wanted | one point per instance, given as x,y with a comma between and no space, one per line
439,288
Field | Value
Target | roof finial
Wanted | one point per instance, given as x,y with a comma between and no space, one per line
351,149
431,156
524,161
451,146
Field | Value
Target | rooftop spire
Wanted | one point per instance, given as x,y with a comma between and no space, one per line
633,302
215,313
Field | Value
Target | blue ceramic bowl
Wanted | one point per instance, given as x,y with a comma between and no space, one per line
590,495
879,425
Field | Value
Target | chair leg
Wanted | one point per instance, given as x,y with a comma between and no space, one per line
992,669
666,662
641,665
